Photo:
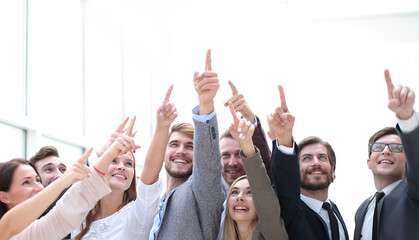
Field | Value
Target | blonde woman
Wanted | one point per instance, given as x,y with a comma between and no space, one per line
252,210
129,210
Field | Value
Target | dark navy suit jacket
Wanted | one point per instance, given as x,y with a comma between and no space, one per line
398,212
301,222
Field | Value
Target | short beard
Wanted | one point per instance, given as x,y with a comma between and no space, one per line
316,186
172,174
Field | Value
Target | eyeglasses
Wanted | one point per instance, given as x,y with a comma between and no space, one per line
379,147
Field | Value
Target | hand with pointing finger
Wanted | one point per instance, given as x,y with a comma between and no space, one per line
206,85
242,132
240,104
281,122
167,111
400,98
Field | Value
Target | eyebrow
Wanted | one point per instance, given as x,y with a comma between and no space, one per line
177,141
48,164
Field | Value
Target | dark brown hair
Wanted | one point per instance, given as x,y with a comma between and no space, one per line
314,140
44,152
379,134
7,171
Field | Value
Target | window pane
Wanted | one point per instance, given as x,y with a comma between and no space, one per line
68,153
55,89
13,142
12,27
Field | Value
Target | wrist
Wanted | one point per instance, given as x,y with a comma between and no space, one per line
206,109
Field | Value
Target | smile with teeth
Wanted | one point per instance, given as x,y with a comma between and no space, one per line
240,208
386,162
181,161
119,176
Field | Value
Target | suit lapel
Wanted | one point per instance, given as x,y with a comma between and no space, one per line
358,224
336,210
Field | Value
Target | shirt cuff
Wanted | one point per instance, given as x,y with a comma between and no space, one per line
286,150
202,118
410,124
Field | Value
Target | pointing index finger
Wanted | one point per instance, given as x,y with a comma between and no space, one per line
83,158
282,97
389,83
208,66
233,88
169,92
233,113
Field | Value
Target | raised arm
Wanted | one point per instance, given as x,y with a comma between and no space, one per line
19,217
285,167
259,139
400,101
266,203
207,186
165,116
72,208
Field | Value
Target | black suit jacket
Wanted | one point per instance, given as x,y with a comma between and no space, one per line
398,212
300,220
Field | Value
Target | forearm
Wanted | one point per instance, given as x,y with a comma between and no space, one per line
260,141
264,198
155,155
19,217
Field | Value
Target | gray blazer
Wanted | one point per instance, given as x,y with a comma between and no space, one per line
271,225
398,212
193,210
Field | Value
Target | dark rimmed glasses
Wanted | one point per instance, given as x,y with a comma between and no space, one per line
379,147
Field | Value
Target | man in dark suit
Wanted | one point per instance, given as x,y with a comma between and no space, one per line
394,162
302,175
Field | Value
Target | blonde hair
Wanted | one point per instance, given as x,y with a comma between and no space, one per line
129,195
230,230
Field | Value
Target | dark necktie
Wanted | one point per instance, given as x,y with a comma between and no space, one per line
378,197
333,221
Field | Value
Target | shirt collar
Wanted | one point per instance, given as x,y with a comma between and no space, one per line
314,204
387,190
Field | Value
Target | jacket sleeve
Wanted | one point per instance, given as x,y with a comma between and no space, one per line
410,144
207,186
70,210
287,180
266,203
259,140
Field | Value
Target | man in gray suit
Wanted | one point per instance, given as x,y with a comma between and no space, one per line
192,205
393,212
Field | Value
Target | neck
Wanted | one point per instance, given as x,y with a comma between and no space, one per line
109,205
173,183
320,195
382,182
244,229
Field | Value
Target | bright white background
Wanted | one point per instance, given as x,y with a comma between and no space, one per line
90,63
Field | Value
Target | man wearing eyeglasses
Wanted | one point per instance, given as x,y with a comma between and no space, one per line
393,212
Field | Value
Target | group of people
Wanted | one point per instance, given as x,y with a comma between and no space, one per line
225,187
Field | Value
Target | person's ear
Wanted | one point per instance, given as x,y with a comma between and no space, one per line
3,197
369,163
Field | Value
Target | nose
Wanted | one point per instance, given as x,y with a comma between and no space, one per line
386,150
233,161
38,187
121,166
316,161
240,197
181,149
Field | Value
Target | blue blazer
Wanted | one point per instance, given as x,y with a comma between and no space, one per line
398,212
301,221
